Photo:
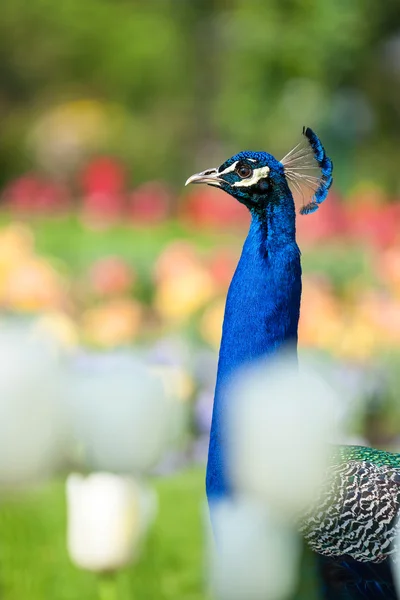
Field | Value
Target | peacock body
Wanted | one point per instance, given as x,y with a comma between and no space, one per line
354,520
357,511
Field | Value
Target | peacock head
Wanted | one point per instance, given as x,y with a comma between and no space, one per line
250,177
257,178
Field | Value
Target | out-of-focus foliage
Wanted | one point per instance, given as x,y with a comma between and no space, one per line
177,81
127,56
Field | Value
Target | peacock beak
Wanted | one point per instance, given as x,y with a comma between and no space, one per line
210,176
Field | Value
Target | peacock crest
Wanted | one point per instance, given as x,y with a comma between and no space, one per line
308,171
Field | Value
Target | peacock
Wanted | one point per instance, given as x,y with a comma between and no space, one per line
354,523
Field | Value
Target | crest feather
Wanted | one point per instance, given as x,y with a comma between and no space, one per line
309,171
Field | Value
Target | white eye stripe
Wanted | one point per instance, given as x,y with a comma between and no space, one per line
229,169
232,167
257,175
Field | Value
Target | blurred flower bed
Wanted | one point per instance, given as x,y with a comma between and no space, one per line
107,268
351,258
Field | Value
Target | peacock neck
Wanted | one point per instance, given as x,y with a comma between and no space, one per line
261,314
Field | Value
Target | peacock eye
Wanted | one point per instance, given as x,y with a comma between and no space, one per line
244,171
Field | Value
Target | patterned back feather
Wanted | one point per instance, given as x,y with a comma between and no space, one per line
309,171
354,524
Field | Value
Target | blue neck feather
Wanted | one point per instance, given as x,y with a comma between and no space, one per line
261,313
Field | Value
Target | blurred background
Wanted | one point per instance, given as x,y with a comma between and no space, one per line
106,261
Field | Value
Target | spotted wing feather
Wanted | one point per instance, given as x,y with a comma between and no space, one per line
357,512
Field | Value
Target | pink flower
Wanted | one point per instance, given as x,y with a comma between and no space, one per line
327,223
111,275
149,203
102,208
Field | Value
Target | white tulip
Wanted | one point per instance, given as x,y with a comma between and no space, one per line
353,386
255,557
31,420
281,419
120,414
108,516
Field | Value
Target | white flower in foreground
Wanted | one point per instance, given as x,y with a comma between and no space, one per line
255,557
178,387
31,419
120,414
108,516
281,419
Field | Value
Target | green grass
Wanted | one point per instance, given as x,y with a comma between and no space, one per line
341,263
34,564
70,241
75,246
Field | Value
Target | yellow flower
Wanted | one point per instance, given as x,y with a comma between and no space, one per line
211,323
321,318
60,326
16,246
177,298
112,324
358,340
33,285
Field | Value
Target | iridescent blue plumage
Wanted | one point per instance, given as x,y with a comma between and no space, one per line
325,164
263,302
261,318
261,314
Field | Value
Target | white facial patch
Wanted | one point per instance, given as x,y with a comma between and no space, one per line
257,175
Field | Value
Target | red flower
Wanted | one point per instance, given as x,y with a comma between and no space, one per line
103,176
31,193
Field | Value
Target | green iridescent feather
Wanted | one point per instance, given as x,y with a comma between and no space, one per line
380,458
